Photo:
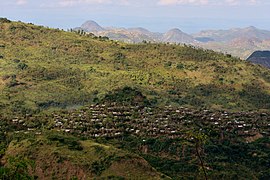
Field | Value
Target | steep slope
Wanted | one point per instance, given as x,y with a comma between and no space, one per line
260,57
59,156
45,68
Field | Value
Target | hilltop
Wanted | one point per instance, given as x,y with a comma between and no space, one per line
177,36
45,68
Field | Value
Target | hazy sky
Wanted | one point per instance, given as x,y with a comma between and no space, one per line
156,15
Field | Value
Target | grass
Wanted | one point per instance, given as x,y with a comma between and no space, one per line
46,68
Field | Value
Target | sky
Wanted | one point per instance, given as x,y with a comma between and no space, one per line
156,15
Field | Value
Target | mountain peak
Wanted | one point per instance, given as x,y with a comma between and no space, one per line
175,30
91,26
176,35
251,28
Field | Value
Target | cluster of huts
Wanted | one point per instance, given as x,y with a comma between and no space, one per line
113,120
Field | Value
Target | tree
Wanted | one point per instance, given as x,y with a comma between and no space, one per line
199,139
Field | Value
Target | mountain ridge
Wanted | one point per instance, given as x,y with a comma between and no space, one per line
226,41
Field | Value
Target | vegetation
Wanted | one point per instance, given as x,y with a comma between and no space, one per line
222,160
46,73
55,155
45,68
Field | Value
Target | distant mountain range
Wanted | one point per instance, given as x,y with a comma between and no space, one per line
136,35
239,42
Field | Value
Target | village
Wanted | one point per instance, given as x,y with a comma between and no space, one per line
113,120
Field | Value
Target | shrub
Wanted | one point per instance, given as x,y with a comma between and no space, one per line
180,66
72,143
22,66
4,20
16,60
127,95
168,64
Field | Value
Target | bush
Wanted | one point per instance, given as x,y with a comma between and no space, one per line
180,66
168,64
4,20
16,60
71,142
127,95
22,66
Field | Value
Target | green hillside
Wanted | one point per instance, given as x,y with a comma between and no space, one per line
58,156
45,68
76,106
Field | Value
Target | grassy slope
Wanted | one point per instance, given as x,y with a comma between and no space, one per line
44,68
65,157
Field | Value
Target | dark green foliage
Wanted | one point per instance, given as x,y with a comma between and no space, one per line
103,38
207,90
22,66
168,64
47,104
71,142
256,95
229,159
52,73
191,53
3,140
4,20
98,167
119,57
180,66
127,95
17,168
172,168
16,60
116,178
13,82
